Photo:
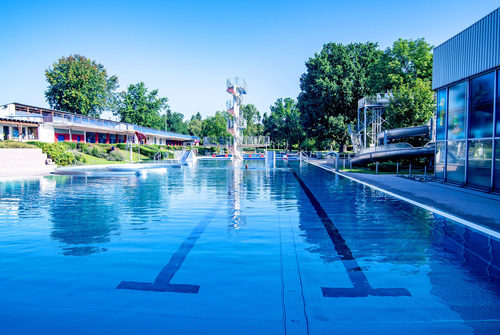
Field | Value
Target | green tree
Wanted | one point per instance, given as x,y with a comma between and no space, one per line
411,104
215,126
334,81
284,125
406,70
195,125
252,116
405,62
140,106
175,122
80,85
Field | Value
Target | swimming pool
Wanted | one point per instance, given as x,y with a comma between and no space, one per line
217,249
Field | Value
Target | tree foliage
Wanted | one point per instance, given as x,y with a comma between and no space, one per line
215,126
140,106
335,79
411,104
80,85
252,116
175,122
195,125
283,125
406,70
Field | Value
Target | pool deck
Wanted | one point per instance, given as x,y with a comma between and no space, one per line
469,206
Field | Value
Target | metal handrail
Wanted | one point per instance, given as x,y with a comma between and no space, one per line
158,156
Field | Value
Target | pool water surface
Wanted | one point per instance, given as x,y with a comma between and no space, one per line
220,249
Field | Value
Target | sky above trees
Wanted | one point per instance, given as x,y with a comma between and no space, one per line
188,49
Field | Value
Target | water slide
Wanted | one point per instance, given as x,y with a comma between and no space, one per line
396,133
393,151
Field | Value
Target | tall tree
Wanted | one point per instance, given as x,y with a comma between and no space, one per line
215,126
140,106
252,116
283,124
335,79
406,70
175,122
195,125
405,62
80,85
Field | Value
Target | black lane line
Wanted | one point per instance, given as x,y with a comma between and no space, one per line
162,281
361,286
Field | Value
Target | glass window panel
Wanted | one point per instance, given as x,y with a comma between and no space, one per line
455,165
456,125
440,152
481,121
457,96
497,131
481,112
479,169
481,90
497,165
441,115
456,112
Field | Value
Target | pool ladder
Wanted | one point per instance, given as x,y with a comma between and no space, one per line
158,156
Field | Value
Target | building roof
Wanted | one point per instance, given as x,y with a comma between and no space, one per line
135,126
29,123
472,51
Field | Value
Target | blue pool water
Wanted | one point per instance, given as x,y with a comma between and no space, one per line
213,249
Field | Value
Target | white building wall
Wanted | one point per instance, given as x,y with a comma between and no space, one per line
46,133
7,110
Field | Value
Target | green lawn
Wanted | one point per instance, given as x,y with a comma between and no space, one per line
92,160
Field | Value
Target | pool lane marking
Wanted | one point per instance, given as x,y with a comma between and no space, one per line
361,286
452,217
162,281
294,306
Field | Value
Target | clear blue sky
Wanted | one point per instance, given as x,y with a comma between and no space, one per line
187,49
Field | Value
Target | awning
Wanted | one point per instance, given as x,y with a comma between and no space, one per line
18,122
141,137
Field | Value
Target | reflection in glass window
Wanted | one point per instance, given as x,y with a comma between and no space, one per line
456,111
455,166
457,96
497,131
481,112
497,165
440,152
441,115
479,169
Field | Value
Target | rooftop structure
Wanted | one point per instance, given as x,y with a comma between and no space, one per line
30,123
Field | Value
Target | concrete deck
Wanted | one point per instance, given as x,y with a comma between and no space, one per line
478,207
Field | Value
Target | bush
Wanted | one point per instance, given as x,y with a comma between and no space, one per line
121,146
59,153
96,152
10,144
115,155
383,166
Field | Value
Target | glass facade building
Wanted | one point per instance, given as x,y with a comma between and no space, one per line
468,131
466,74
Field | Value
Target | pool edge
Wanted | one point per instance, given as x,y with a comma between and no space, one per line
447,215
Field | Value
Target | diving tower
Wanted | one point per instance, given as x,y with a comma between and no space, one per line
237,87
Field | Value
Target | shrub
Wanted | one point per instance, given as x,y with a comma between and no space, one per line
96,152
121,146
9,144
59,153
115,155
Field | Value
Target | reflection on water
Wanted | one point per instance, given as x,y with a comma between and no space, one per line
82,216
235,189
84,213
